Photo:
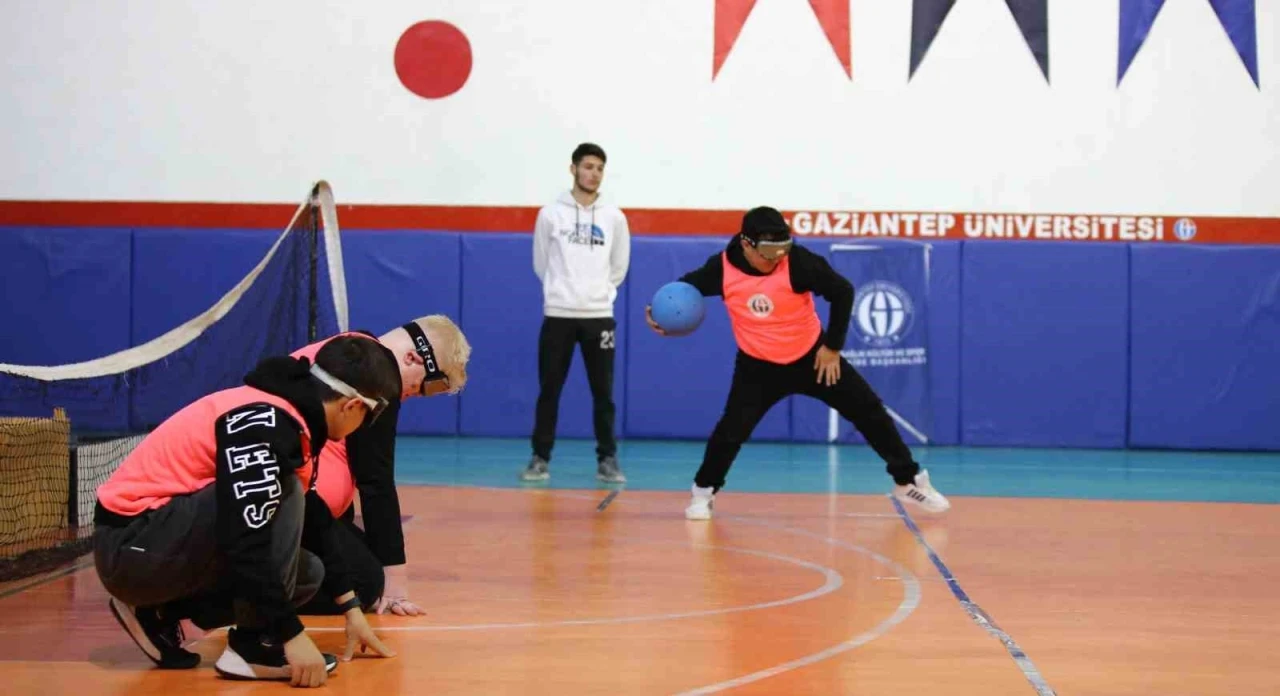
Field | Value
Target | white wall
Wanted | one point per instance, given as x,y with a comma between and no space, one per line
240,101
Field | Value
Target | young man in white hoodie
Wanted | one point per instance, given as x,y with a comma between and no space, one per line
581,251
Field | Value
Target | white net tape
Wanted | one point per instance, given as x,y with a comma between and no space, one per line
179,337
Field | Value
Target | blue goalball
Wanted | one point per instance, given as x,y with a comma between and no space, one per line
678,308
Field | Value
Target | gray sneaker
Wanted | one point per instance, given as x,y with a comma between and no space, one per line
536,471
608,471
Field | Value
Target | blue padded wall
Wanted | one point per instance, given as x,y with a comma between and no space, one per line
396,276
1206,348
945,297
179,274
1031,344
502,316
67,294
676,386
1044,344
67,300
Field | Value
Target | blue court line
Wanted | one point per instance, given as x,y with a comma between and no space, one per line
976,612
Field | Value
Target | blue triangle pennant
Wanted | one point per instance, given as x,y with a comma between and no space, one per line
926,20
1238,17
1031,16
1136,18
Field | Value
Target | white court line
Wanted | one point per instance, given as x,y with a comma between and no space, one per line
833,582
526,488
910,601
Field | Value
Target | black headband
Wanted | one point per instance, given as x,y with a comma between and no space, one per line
423,347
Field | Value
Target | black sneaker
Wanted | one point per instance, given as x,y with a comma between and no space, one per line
608,471
161,640
250,655
538,470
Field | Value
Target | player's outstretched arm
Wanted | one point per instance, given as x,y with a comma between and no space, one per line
707,278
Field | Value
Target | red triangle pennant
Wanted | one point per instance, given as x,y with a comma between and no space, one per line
833,15
731,16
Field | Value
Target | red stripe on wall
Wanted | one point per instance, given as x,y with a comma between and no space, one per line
144,214
844,225
350,216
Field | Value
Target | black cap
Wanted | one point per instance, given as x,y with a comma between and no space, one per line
765,224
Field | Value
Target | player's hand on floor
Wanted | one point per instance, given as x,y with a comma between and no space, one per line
648,317
395,593
400,606
827,363
360,634
306,664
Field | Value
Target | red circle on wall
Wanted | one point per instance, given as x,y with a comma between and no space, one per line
433,59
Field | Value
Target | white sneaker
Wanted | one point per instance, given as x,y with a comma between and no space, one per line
923,494
701,504
247,658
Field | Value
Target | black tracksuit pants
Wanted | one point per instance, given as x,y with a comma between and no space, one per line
556,342
367,576
758,385
169,558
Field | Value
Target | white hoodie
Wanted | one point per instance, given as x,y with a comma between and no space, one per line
581,254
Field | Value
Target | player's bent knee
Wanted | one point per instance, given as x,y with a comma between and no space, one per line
307,581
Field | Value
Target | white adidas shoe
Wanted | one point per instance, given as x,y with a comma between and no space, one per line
923,494
700,505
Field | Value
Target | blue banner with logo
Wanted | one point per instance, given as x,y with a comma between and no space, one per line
888,339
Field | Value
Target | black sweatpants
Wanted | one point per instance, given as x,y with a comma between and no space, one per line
758,385
169,558
365,569
556,342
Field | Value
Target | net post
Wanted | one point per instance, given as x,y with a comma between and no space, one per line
73,482
313,234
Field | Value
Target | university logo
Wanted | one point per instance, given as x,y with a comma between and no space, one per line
882,313
1185,229
760,305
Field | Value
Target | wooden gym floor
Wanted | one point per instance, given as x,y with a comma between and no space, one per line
808,581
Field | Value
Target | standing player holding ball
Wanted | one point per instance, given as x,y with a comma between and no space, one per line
768,284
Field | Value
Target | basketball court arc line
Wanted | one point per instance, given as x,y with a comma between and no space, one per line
910,602
833,581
